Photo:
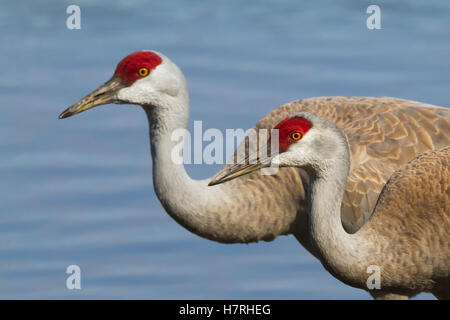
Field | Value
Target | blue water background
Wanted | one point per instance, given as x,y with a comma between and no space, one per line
79,191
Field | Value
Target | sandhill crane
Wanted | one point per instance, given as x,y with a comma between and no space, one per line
408,235
384,133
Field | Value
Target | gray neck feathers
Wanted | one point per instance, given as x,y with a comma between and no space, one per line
339,251
186,200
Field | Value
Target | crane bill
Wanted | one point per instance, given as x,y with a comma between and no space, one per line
232,174
102,95
259,159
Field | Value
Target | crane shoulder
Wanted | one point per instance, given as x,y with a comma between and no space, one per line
413,215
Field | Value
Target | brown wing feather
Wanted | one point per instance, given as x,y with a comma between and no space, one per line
383,133
415,205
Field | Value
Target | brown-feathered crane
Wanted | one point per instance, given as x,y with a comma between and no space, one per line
383,133
405,243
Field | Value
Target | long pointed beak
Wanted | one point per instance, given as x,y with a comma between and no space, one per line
259,159
107,93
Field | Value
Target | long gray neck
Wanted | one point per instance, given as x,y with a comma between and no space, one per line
189,202
340,251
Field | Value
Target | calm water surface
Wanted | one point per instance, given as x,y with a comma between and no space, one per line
79,191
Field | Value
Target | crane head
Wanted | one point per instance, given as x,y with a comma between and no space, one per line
143,77
305,140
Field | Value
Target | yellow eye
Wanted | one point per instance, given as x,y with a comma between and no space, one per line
296,136
143,72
